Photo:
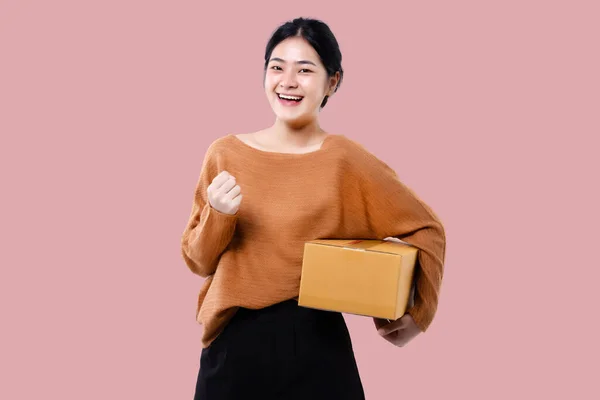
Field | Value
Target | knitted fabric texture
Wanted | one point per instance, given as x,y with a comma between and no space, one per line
253,258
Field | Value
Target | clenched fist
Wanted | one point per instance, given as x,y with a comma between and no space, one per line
223,193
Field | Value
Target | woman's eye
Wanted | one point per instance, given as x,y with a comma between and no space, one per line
305,70
275,67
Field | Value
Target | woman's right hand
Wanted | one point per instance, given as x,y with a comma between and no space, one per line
223,193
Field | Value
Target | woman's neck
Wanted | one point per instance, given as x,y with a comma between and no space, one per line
283,134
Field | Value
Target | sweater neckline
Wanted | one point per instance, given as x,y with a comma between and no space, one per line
274,154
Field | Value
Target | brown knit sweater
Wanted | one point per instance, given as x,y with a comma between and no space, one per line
254,258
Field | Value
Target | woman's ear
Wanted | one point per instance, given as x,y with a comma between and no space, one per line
333,82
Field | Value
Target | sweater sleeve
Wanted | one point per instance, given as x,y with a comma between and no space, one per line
393,210
208,231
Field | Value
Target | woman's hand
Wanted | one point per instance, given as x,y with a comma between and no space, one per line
223,193
398,332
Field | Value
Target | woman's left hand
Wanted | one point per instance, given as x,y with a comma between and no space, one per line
398,332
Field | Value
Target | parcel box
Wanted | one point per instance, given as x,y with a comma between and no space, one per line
363,277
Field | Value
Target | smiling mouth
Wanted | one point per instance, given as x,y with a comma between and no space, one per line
295,99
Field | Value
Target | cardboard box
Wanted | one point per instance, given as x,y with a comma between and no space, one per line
364,277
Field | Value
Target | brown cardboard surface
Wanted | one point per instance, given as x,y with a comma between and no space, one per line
363,277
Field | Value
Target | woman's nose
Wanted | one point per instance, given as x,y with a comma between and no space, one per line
288,80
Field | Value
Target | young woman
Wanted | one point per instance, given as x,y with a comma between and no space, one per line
259,198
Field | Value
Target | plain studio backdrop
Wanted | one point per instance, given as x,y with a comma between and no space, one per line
489,111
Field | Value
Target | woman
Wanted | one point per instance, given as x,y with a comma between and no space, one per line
259,198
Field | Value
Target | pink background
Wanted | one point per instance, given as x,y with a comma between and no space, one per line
490,111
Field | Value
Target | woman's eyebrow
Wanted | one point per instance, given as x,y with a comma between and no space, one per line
297,62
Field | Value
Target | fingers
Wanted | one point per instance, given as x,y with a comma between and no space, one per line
379,322
385,328
218,180
233,192
222,183
237,201
224,194
226,186
393,337
398,332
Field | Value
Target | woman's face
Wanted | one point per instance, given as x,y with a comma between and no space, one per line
295,72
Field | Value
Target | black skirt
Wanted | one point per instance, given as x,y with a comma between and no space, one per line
282,352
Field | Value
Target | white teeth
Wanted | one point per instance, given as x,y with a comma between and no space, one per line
289,97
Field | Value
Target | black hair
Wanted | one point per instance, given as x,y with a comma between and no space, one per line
319,36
